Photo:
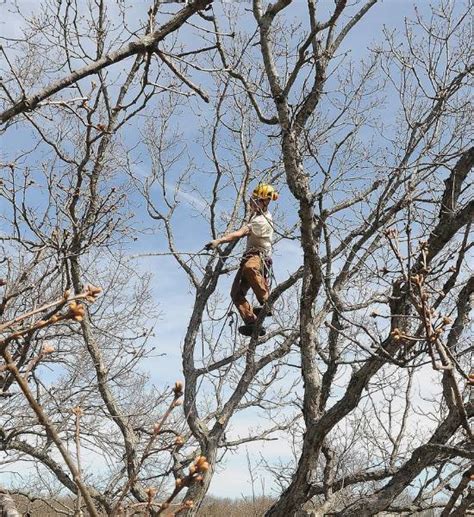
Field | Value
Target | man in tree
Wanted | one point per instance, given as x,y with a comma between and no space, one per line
256,261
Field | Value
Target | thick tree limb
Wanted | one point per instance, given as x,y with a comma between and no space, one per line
7,505
63,477
353,479
465,480
421,458
147,43
450,220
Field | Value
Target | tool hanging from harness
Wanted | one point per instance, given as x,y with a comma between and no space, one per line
267,270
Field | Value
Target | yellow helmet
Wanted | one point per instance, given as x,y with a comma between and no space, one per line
265,191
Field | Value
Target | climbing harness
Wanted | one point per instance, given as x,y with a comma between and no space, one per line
267,270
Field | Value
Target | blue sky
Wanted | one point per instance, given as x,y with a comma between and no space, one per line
233,480
170,287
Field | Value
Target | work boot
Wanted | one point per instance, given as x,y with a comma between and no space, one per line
257,310
247,330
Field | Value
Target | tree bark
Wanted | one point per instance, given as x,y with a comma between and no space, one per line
198,491
421,458
7,505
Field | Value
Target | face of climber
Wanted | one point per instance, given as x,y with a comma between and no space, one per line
258,205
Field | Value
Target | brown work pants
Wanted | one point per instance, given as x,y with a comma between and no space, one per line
249,275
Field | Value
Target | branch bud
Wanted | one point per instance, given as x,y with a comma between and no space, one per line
150,492
178,389
179,441
78,411
47,349
76,311
396,334
92,292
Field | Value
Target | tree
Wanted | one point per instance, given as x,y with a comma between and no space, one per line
67,220
380,208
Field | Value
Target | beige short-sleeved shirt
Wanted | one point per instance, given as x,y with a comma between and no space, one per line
261,233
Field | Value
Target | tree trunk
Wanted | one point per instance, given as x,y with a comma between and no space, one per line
198,491
7,505
291,502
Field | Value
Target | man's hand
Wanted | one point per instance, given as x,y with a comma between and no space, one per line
212,245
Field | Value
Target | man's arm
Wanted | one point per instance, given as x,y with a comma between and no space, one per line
229,237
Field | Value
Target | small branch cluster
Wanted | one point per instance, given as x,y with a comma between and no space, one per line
15,328
433,325
196,474
26,324
196,471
